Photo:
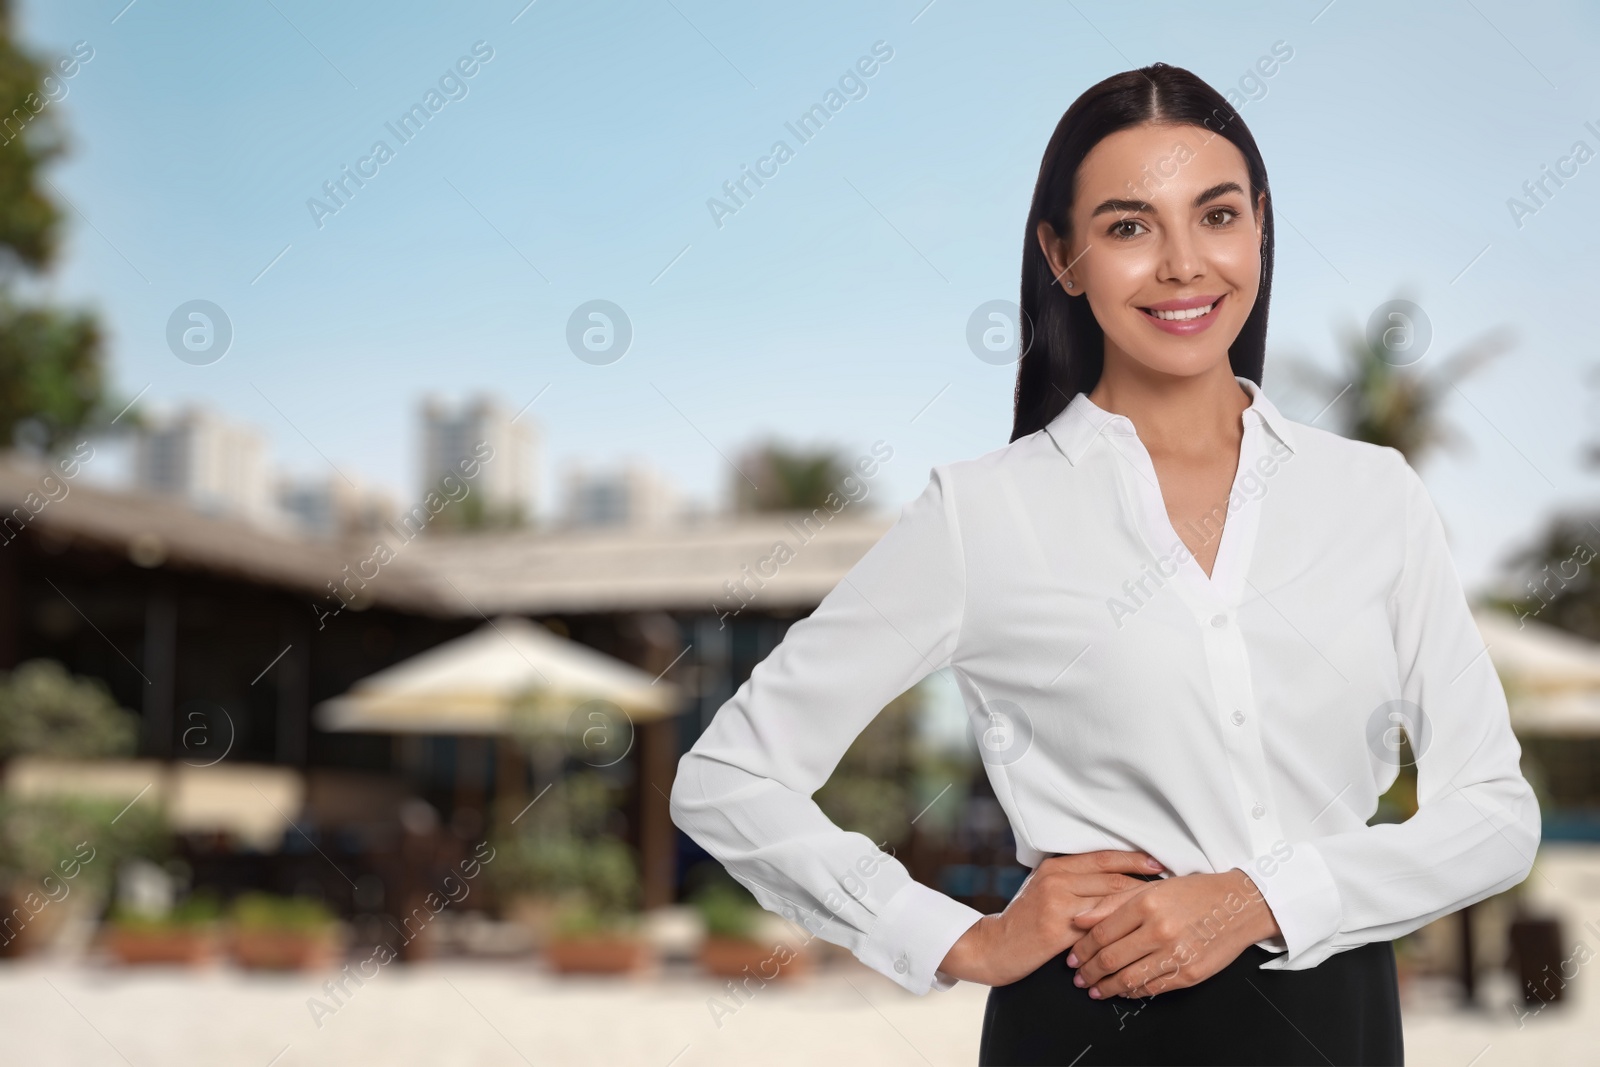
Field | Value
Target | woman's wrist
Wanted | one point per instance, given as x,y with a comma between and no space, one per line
967,959
1257,915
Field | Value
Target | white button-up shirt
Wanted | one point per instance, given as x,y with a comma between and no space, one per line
1123,699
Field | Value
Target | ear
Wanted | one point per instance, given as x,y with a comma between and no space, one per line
1055,252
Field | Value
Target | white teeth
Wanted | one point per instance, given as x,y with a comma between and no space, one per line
1179,316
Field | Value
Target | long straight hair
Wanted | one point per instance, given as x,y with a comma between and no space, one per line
1062,344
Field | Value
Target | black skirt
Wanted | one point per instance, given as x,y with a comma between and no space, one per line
1345,1010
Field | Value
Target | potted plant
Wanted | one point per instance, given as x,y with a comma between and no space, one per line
57,857
283,933
596,929
531,874
57,853
190,933
589,939
557,850
731,948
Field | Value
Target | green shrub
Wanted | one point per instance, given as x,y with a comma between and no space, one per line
264,911
78,840
580,916
728,911
198,909
45,711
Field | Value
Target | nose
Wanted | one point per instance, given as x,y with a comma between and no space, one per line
1180,257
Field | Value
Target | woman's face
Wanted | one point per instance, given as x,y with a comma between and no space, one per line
1162,221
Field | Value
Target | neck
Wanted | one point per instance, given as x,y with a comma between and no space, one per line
1195,413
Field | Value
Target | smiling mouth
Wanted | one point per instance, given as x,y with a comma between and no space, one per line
1186,315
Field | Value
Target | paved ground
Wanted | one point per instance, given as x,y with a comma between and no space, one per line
487,1014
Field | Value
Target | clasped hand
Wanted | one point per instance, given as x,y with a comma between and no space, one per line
1170,934
1128,937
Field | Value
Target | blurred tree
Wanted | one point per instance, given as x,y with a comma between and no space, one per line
465,514
45,711
51,379
788,479
1382,399
1555,574
870,791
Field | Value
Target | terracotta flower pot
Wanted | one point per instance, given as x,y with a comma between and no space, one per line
26,931
734,957
598,954
189,945
270,949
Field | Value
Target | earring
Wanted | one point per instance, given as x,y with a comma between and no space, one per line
1069,285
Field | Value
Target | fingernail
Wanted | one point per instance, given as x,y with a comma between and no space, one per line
1078,981
1153,863
1094,993
1072,959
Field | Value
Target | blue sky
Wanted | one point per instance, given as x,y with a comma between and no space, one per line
832,307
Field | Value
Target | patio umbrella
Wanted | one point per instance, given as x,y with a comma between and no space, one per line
507,677
1551,676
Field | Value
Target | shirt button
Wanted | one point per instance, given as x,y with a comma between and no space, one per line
900,964
1219,620
1258,811
1238,717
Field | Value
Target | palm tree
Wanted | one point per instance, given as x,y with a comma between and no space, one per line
1380,397
776,477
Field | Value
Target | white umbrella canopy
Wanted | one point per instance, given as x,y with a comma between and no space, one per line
498,680
1551,676
1540,657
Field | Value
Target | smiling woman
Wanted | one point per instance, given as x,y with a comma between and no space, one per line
1191,782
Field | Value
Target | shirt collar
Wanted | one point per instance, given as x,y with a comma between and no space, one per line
1082,420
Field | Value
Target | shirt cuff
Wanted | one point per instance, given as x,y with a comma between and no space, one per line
913,934
1302,894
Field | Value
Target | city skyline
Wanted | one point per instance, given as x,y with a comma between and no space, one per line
575,166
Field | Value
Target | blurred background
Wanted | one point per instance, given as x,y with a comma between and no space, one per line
404,407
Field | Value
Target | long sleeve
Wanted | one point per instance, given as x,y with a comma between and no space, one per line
1477,824
744,790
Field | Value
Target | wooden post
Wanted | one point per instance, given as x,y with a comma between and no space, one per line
1469,982
658,837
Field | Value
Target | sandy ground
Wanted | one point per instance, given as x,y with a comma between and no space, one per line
484,1014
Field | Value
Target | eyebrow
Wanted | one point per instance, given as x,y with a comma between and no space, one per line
1132,206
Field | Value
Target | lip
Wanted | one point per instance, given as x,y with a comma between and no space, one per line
1189,326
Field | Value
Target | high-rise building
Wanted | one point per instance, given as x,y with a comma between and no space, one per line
632,495
490,441
332,508
211,464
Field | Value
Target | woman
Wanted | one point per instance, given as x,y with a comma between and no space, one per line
1187,630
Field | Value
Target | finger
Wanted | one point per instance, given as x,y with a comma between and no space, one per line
1106,860
1099,910
1152,976
1097,914
1098,883
1137,979
1111,918
1087,952
1111,957
1125,964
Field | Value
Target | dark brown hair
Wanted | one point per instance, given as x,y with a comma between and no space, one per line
1062,345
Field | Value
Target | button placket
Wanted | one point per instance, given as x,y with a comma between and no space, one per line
1230,680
